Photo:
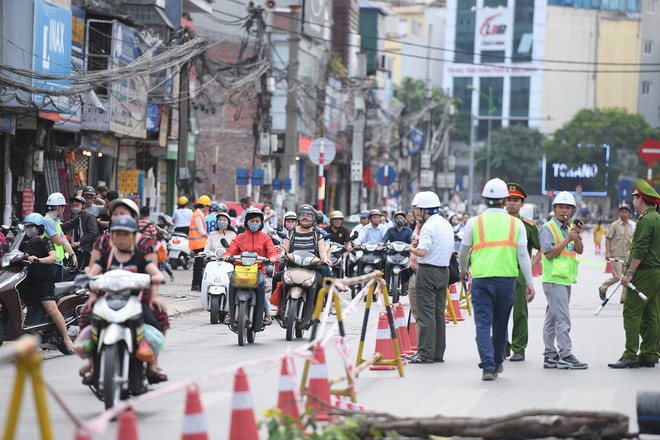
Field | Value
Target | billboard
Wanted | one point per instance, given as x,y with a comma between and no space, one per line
494,28
588,168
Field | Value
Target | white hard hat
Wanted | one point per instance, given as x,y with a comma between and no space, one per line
415,199
56,199
495,189
564,198
428,199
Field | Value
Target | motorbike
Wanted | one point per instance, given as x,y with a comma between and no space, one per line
337,259
178,252
398,258
215,286
22,315
370,261
117,327
299,282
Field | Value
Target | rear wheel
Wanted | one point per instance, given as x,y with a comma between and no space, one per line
111,360
241,323
299,333
174,263
215,309
291,318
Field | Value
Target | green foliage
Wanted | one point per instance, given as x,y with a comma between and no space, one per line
413,91
515,153
336,66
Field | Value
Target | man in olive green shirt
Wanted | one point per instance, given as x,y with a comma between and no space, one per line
513,203
640,318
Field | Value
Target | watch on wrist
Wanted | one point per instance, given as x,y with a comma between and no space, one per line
629,273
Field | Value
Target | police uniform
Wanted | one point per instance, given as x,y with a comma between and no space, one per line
641,318
519,334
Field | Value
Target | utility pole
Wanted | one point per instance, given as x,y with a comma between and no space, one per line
357,147
491,111
426,155
291,133
184,173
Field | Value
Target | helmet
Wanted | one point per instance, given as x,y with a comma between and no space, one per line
225,215
336,214
415,200
124,223
78,199
307,209
399,213
290,215
222,207
34,219
204,200
214,207
130,204
375,212
564,198
364,213
183,200
319,217
428,199
253,212
495,189
89,190
56,199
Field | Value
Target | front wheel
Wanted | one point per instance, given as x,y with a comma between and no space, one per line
394,288
111,361
291,318
241,323
215,309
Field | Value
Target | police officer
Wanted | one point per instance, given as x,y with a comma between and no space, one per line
617,245
640,318
513,203
498,244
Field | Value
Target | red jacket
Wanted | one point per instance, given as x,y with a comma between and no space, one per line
258,242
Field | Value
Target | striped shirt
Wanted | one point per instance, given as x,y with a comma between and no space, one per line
304,241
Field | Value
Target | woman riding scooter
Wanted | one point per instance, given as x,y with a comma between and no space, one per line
223,230
40,283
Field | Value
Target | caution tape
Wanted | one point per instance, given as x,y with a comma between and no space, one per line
590,262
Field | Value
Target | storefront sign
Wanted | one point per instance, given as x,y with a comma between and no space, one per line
94,118
72,123
494,28
7,123
590,172
27,206
152,117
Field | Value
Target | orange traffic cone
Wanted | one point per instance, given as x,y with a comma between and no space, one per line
401,330
453,293
82,435
384,343
318,391
194,420
127,429
243,425
286,401
608,267
412,330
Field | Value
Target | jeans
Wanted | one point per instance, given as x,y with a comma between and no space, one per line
492,300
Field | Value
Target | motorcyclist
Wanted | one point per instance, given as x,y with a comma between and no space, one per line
211,218
374,231
399,232
338,233
364,220
253,240
290,220
224,230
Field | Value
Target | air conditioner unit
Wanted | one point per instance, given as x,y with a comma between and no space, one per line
264,144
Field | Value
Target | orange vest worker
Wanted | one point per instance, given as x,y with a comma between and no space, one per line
196,237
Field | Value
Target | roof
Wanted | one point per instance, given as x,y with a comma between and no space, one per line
366,5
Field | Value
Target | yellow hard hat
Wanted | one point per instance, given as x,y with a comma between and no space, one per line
204,200
183,200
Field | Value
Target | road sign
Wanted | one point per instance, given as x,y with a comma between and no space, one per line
650,150
391,175
329,151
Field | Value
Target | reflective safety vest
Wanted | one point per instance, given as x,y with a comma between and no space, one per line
196,238
58,247
563,268
494,245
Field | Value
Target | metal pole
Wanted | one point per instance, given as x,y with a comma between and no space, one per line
357,146
291,133
490,128
471,172
321,163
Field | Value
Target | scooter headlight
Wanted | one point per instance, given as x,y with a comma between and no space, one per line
396,270
368,269
377,260
116,302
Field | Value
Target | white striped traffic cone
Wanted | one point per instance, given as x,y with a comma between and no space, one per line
194,420
243,425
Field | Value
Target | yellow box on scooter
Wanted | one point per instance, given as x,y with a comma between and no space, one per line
246,277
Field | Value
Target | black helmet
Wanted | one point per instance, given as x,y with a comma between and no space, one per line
89,190
124,223
307,209
319,217
250,213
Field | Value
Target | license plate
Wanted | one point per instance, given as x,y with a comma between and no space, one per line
173,254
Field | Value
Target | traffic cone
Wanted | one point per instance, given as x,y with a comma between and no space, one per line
401,330
243,425
286,400
454,303
384,343
318,391
127,426
412,330
608,267
82,435
194,420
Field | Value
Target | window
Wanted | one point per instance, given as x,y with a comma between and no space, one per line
648,47
403,27
650,6
463,98
646,88
523,26
414,27
492,56
519,103
465,24
490,92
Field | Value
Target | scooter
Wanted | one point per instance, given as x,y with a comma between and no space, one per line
117,327
371,260
178,252
337,259
19,315
398,258
215,286
300,282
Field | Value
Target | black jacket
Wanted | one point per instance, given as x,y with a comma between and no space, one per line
89,232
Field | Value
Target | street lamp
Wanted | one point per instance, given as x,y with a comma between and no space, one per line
491,111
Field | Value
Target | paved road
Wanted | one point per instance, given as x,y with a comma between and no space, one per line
454,388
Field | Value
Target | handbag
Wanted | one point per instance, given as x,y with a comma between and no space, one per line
454,272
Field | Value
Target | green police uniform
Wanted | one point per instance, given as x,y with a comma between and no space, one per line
519,335
642,318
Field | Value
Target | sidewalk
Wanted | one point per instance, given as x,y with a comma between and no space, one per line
178,296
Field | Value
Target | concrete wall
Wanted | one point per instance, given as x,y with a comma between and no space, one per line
649,105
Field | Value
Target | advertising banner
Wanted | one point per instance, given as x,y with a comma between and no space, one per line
52,54
590,171
494,28
73,122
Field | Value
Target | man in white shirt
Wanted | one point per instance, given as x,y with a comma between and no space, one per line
374,231
182,216
364,220
434,250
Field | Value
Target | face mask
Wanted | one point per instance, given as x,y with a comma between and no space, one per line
254,227
75,211
454,221
30,232
222,224
399,223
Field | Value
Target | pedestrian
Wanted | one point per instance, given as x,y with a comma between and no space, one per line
496,242
434,250
519,335
617,246
197,237
53,230
599,230
414,263
559,244
182,216
145,225
640,318
85,230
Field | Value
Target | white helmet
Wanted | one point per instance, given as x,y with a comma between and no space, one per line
495,189
56,199
290,215
428,199
564,198
415,200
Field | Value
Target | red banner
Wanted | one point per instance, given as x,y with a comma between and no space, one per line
28,202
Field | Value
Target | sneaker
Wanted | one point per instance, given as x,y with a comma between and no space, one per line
517,357
499,369
172,278
550,361
570,362
489,374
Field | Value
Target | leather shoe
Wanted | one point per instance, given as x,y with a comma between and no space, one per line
624,363
645,363
517,357
601,294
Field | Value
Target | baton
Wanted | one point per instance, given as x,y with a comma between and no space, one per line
615,260
607,298
640,294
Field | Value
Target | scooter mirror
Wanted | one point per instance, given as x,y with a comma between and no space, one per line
354,236
281,234
224,242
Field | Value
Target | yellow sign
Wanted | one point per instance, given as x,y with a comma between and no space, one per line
128,181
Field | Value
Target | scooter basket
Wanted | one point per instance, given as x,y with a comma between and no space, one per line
246,277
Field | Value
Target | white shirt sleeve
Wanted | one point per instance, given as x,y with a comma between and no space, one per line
201,226
425,239
467,233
